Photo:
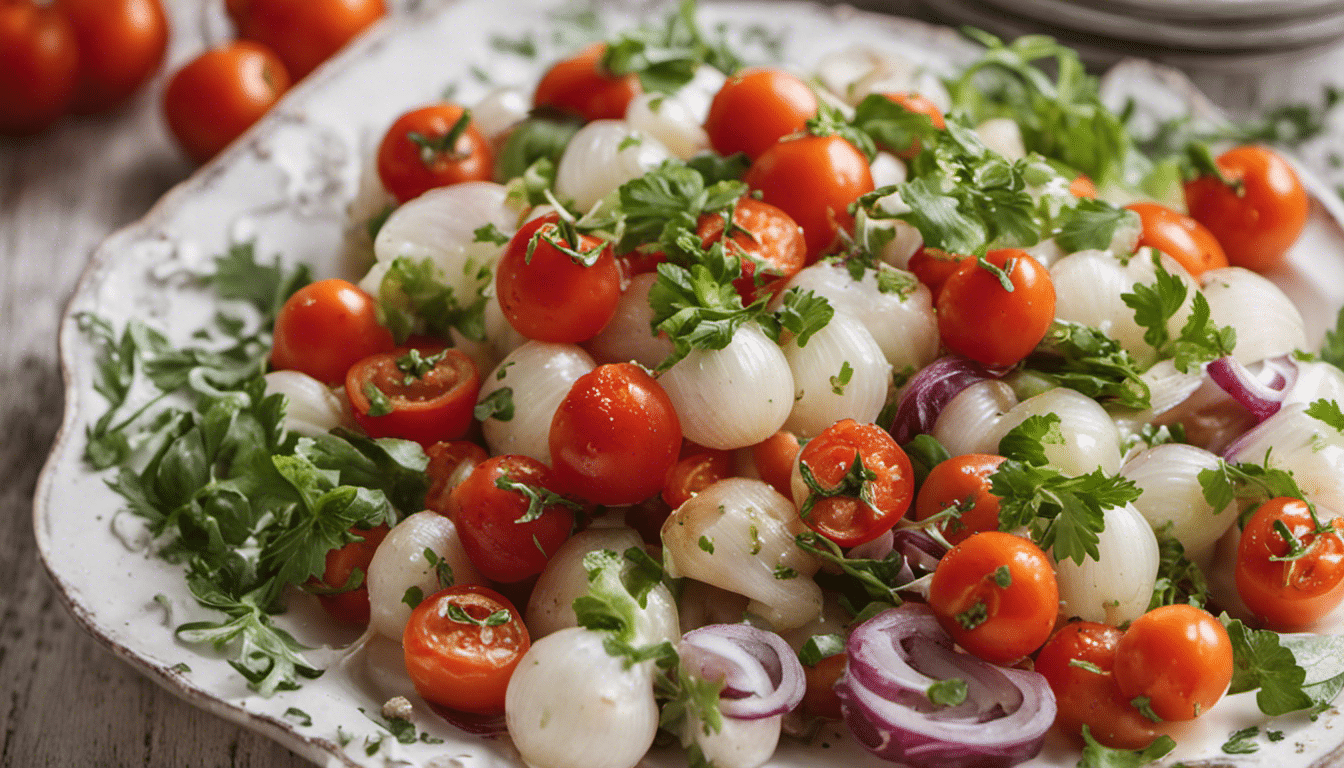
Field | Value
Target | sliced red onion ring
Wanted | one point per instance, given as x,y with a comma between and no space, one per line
893,660
930,390
1261,394
876,549
762,675
920,550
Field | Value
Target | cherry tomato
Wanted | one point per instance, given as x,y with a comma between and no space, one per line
914,102
1077,662
1180,237
220,94
1290,594
121,44
419,152
769,244
1259,218
449,464
1082,186
508,535
580,85
1177,656
463,658
39,63
694,474
325,328
996,595
933,266
813,179
774,458
820,699
842,501
548,296
756,108
350,607
422,396
961,482
303,33
980,319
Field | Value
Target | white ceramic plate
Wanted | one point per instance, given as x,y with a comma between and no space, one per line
1222,9
285,185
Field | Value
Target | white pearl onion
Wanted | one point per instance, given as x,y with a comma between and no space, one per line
1312,450
820,399
1003,135
312,407
676,119
440,225
501,337
1090,437
1118,587
629,335
857,71
1267,322
540,375
1172,500
968,422
888,169
399,563
500,110
737,743
602,156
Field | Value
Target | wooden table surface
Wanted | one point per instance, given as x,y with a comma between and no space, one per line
64,700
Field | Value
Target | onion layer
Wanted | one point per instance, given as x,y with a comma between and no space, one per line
930,390
1262,395
761,674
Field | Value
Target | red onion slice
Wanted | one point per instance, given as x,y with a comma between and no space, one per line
920,550
1261,394
895,657
930,390
762,675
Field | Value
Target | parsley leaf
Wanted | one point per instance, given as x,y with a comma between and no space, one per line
414,294
666,59
894,128
819,647
1248,484
1154,305
1096,755
1178,579
1327,411
1087,360
1242,742
1092,224
539,498
1332,351
1260,663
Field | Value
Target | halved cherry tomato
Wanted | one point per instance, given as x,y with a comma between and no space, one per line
979,318
220,94
961,482
1078,662
304,33
581,86
325,328
1180,237
546,294
1289,585
933,266
461,646
1258,218
432,146
765,239
756,108
774,458
1179,657
449,464
853,482
350,607
695,473
422,396
121,43
920,105
813,179
39,62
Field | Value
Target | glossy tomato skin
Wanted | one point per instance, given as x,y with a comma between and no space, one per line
449,464
981,320
408,168
1290,595
325,328
580,86
462,665
350,607
820,699
769,244
813,179
846,519
933,266
546,295
756,108
774,458
996,595
1078,661
920,105
961,482
121,44
694,473
303,33
614,436
1259,222
220,94
1180,237
487,517
39,64
430,407
1179,657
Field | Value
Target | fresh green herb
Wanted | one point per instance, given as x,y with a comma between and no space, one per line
181,668
542,137
865,581
497,405
1145,706
1332,350
1092,225
666,58
707,544
1242,742
489,233
1087,360
841,380
379,404
1327,411
1096,755
498,618
784,572
1250,485
819,647
538,498
892,126
1199,340
413,596
950,692
414,295
1178,579
442,570
1261,663
830,121
299,716
664,205
525,46
1087,665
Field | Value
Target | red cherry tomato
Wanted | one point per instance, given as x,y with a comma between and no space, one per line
325,328
418,152
933,266
350,607
422,396
507,535
121,44
820,699
220,94
1177,656
980,319
39,62
1180,237
304,33
1078,663
1290,594
769,244
694,474
581,86
756,108
449,464
813,179
1258,219
920,105
844,504
463,658
996,595
548,296
774,458
961,482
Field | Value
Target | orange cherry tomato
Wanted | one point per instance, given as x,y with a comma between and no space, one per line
961,482
1082,186
419,152
1258,219
820,699
121,44
449,464
325,328
843,503
463,658
695,473
581,86
756,108
996,595
980,319
1180,237
1078,662
422,396
1177,656
933,266
220,94
39,63
304,33
548,296
768,242
774,458
1290,594
350,607
813,179
507,535
918,104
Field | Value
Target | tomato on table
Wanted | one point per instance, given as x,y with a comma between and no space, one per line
1290,583
220,94
121,44
981,319
1259,216
933,266
920,105
39,63
461,646
425,396
1078,662
1180,237
556,285
1178,657
853,482
756,108
325,328
694,473
449,464
349,606
581,86
432,146
303,33
996,595
766,240
774,457
961,483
